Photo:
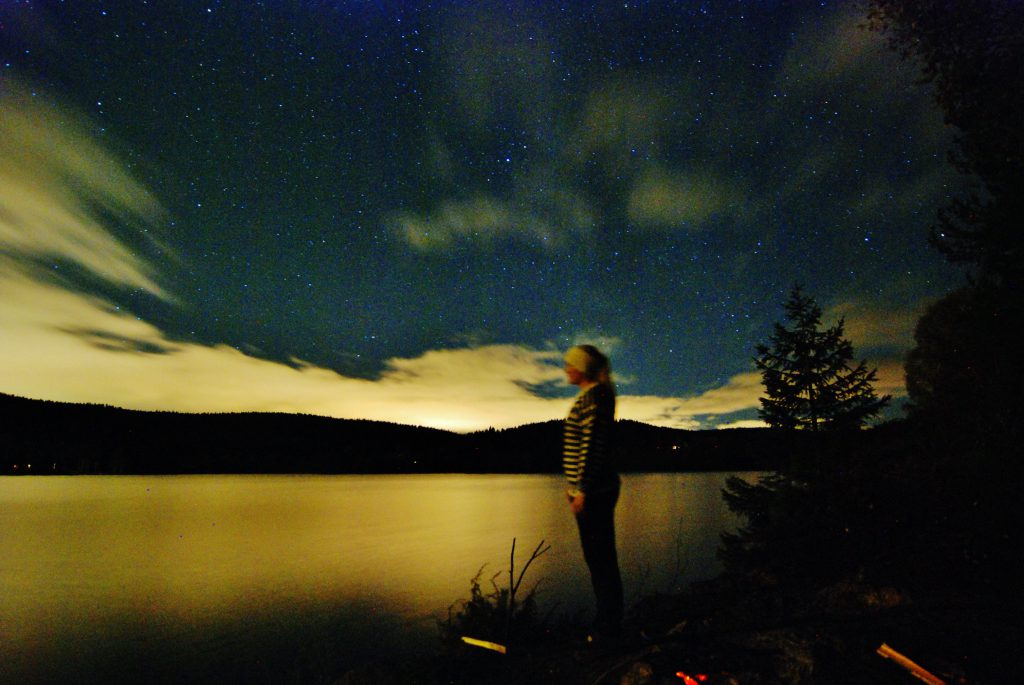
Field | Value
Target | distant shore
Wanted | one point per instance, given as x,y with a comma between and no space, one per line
45,438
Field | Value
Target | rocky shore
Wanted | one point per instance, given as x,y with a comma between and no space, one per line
722,633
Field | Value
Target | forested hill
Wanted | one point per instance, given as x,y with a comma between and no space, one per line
42,437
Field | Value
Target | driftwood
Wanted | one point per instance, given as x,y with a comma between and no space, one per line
493,646
918,672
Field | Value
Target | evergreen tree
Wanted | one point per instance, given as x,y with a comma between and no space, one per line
808,377
799,518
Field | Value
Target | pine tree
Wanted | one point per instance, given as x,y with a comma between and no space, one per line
798,518
807,373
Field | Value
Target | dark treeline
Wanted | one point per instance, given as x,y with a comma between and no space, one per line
42,437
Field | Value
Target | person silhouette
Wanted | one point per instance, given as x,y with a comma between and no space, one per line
593,481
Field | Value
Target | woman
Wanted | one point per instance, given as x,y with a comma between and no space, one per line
593,480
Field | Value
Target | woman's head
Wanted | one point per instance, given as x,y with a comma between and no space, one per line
589,363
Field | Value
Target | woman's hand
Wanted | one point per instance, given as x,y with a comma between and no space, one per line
577,502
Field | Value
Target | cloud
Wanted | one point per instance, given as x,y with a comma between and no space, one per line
494,63
882,335
65,346
624,119
859,135
744,423
741,393
539,211
481,220
878,198
892,379
839,49
677,200
58,189
62,345
56,183
872,326
554,197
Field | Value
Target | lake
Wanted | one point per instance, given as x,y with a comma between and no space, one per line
250,578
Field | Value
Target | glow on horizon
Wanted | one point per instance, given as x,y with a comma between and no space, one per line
461,390
62,344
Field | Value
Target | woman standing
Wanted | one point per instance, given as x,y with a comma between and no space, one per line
593,480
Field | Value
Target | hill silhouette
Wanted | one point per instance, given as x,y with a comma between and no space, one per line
45,437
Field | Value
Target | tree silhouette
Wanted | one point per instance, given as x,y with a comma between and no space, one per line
795,527
966,375
808,377
930,504
972,54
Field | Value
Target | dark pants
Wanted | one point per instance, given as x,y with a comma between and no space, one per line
597,533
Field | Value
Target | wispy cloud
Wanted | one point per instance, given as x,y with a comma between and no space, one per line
61,343
646,142
840,48
484,219
624,119
56,183
664,199
64,345
493,62
871,326
892,379
615,137
741,393
880,335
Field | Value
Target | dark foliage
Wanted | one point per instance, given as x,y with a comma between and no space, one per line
926,503
62,438
820,519
69,438
503,616
973,54
966,369
965,375
810,382
929,506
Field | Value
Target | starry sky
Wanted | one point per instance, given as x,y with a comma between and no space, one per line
407,211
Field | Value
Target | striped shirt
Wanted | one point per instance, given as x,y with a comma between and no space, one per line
586,447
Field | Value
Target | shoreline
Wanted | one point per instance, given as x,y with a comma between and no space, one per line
742,634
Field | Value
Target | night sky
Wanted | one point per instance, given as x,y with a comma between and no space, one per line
407,211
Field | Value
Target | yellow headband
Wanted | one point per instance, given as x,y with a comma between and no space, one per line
578,358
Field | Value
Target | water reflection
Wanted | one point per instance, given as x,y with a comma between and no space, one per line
205,569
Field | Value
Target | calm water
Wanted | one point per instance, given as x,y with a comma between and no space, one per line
246,578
